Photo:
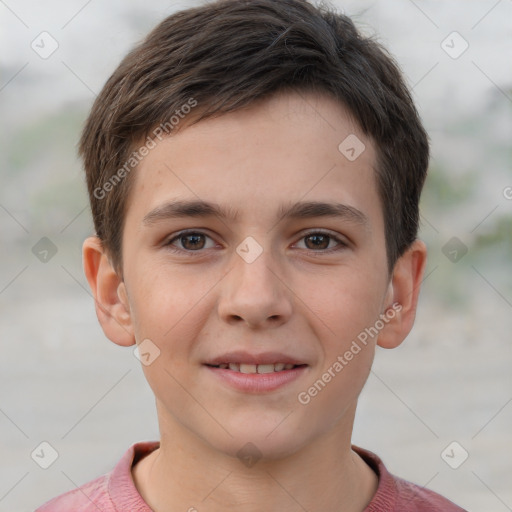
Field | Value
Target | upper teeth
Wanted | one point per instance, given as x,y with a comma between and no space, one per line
256,368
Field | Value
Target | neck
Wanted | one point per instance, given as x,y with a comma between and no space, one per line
188,476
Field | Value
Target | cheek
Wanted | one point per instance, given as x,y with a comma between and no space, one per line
348,345
344,304
167,303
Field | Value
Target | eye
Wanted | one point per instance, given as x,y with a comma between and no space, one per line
321,240
189,241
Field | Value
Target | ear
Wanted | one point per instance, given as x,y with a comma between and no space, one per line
109,291
402,296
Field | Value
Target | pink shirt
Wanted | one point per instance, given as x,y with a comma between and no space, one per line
116,491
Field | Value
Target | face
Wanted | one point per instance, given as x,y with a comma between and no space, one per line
282,259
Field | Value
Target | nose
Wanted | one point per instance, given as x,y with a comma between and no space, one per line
255,294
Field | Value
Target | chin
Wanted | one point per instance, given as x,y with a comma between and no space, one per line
260,441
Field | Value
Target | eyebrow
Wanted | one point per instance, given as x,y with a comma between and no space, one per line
301,210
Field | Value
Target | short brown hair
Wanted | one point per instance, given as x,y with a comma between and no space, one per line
227,54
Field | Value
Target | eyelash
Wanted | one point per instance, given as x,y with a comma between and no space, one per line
341,244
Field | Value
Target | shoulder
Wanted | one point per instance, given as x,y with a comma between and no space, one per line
396,494
87,498
108,493
414,498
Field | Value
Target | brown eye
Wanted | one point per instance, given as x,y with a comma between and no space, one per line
191,242
318,241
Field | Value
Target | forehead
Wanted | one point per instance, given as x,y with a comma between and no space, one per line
288,148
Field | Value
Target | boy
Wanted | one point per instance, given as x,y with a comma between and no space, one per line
254,171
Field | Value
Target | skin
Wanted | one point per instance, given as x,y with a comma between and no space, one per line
305,300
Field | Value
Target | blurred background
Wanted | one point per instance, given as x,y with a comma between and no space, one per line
438,409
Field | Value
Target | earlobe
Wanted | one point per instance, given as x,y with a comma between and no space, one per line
109,291
402,297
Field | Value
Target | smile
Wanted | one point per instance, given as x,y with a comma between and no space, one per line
256,378
256,368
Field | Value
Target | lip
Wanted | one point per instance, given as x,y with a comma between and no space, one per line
243,357
257,382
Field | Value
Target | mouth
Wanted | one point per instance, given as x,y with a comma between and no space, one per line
257,378
256,372
256,368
